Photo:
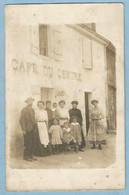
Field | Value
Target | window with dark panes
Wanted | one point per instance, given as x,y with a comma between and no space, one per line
43,40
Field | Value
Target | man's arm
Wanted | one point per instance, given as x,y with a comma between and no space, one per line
22,120
81,119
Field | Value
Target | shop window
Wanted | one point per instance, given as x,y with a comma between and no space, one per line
43,40
87,53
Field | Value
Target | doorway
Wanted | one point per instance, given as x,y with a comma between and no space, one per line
87,96
112,107
47,94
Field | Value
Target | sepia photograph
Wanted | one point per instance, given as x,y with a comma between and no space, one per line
64,83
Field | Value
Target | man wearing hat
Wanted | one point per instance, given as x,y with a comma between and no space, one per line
76,112
27,122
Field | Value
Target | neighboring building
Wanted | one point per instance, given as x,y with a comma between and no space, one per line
111,85
51,62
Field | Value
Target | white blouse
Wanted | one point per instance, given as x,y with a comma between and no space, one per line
63,113
41,115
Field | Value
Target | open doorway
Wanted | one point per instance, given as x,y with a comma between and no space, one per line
47,94
87,96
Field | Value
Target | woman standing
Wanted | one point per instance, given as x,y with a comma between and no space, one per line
42,141
63,113
76,112
96,130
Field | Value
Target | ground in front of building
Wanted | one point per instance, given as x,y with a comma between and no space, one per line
87,159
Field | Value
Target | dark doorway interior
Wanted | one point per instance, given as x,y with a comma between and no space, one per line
87,111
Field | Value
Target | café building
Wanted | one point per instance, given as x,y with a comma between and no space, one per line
58,62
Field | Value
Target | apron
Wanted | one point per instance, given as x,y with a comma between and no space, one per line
43,133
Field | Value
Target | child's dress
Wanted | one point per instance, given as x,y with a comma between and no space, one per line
67,135
76,132
56,134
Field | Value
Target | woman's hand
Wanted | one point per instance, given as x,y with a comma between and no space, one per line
92,118
24,132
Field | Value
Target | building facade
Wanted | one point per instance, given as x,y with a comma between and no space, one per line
111,85
55,62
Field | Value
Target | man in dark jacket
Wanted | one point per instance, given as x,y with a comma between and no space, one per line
49,113
50,122
27,122
76,112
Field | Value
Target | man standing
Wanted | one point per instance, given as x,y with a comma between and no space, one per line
49,113
76,112
27,122
50,122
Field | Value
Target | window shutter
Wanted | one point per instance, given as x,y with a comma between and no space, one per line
87,53
50,40
58,43
34,39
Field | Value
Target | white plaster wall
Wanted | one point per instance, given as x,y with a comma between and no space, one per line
20,85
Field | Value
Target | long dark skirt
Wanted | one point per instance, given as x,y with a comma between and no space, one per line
83,144
40,150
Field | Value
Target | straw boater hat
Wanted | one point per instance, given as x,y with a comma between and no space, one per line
62,101
94,101
74,102
29,98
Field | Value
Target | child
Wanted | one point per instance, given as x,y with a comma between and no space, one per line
68,138
56,136
76,132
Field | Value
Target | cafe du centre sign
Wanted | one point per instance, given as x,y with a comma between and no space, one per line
47,71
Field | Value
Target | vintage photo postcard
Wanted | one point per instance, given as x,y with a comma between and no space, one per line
64,76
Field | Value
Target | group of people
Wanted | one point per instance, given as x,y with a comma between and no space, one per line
53,129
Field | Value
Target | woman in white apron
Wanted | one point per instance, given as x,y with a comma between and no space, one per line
42,141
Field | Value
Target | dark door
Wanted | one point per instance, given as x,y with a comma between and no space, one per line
112,107
87,111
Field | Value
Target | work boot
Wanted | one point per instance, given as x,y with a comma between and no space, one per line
93,147
57,149
27,159
80,149
33,159
75,147
54,150
100,147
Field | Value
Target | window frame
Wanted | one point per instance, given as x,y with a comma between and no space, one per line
42,55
